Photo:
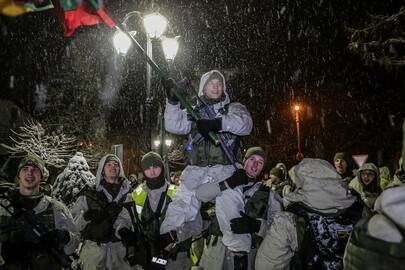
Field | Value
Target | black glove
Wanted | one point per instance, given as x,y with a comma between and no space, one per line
94,215
238,178
55,238
172,253
164,240
245,224
128,237
183,246
168,84
204,126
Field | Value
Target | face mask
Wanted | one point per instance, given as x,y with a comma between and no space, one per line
157,182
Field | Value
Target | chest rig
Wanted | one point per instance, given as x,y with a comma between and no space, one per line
205,153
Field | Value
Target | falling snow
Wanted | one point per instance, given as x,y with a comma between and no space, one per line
279,53
11,84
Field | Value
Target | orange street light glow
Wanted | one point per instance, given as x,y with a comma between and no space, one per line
297,108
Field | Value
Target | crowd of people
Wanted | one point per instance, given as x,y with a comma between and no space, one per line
221,212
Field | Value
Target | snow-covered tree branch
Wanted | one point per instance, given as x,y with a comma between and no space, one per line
54,149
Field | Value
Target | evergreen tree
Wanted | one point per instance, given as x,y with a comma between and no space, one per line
73,179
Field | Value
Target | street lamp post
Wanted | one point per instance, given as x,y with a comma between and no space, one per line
155,25
299,155
170,48
149,98
163,144
162,134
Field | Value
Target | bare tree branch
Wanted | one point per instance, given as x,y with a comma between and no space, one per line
382,41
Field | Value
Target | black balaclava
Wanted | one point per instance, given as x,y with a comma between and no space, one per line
157,182
112,188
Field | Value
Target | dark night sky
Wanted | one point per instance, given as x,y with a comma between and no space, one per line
275,53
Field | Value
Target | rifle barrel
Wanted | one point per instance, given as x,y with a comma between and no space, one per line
175,89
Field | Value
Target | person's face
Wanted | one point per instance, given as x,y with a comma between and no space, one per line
177,180
111,170
214,89
367,177
152,172
29,177
340,165
254,165
274,179
282,170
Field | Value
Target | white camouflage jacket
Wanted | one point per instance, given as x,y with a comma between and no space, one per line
237,121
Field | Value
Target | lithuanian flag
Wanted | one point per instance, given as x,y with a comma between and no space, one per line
76,13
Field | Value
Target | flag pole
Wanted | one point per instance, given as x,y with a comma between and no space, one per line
175,90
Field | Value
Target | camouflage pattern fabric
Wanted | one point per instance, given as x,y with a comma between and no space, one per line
330,235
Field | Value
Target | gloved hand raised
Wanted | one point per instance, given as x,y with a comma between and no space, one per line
245,224
168,84
238,178
204,126
55,238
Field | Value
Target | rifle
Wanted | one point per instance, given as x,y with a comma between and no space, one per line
175,90
122,28
224,147
141,255
38,229
87,191
105,214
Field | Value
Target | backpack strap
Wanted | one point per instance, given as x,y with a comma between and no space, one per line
158,212
129,206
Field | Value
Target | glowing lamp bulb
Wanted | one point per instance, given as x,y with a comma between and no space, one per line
122,42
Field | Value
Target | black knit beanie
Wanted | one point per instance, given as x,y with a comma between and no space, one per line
151,159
